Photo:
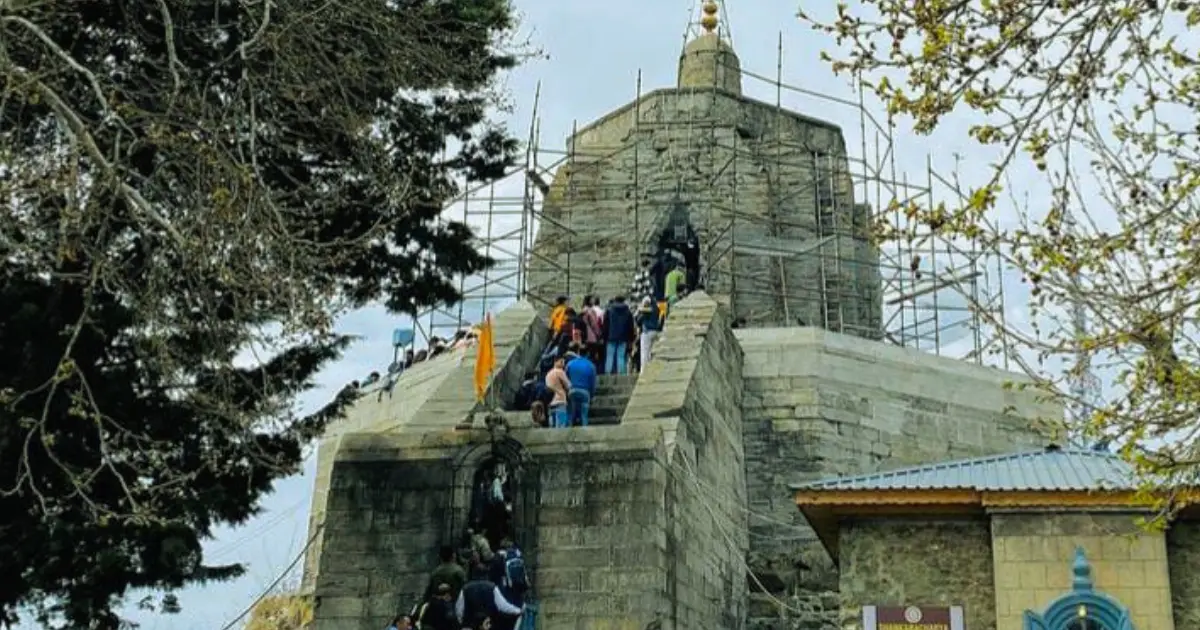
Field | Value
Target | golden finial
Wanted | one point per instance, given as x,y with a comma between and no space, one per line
709,19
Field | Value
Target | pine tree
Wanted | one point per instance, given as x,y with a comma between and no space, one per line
186,181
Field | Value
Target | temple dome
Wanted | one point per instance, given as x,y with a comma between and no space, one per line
709,61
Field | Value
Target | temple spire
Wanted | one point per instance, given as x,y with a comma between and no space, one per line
709,61
710,18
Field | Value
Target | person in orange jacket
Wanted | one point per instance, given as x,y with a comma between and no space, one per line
558,315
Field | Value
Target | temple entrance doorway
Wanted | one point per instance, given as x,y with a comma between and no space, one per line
678,244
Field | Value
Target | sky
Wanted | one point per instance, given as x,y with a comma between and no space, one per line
594,53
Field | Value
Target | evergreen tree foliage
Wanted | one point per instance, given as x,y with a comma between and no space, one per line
186,181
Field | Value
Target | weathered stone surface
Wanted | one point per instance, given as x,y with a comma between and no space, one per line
782,240
818,404
708,61
382,530
1183,550
623,525
434,395
640,537
706,500
917,563
681,514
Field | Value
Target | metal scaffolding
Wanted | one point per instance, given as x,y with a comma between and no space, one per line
937,294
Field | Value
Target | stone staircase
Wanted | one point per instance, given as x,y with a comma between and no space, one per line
608,405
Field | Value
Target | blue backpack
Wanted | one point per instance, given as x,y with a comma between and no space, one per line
515,577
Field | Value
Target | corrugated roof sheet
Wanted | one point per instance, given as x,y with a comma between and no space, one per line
1049,470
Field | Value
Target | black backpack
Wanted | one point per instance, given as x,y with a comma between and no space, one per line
515,577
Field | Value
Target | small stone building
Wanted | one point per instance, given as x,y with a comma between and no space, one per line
1053,539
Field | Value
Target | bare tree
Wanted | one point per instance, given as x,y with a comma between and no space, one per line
1102,97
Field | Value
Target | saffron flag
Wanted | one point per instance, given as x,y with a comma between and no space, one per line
485,358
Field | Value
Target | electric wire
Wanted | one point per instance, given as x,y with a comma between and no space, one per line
274,584
258,531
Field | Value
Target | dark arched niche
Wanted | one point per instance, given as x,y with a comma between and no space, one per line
515,516
677,235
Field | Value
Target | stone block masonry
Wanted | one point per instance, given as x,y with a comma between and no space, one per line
694,380
926,563
635,524
633,537
383,524
602,552
1033,553
596,554
767,191
433,396
819,404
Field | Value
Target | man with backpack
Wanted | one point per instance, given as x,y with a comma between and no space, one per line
509,575
483,599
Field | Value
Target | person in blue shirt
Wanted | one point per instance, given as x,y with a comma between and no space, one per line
582,374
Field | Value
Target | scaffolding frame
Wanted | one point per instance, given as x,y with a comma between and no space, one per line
939,295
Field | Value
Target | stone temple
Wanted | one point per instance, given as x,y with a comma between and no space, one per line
676,513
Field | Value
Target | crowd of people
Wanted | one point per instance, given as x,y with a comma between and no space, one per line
463,338
482,583
595,339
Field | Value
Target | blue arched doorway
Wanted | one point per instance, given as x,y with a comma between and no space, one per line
1083,608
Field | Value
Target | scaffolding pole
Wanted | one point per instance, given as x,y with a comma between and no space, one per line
917,274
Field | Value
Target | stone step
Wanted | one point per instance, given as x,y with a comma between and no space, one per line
620,383
605,412
523,419
613,391
605,409
617,378
609,401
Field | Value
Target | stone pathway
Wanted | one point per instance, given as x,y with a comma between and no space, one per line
608,405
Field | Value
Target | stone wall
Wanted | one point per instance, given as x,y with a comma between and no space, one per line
411,391
623,525
632,536
434,396
819,404
695,379
1183,553
752,179
602,557
384,522
1033,554
589,510
916,563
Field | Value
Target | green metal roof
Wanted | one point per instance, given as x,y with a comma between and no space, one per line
1050,469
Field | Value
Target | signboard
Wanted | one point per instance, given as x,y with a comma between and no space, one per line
913,618
402,336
